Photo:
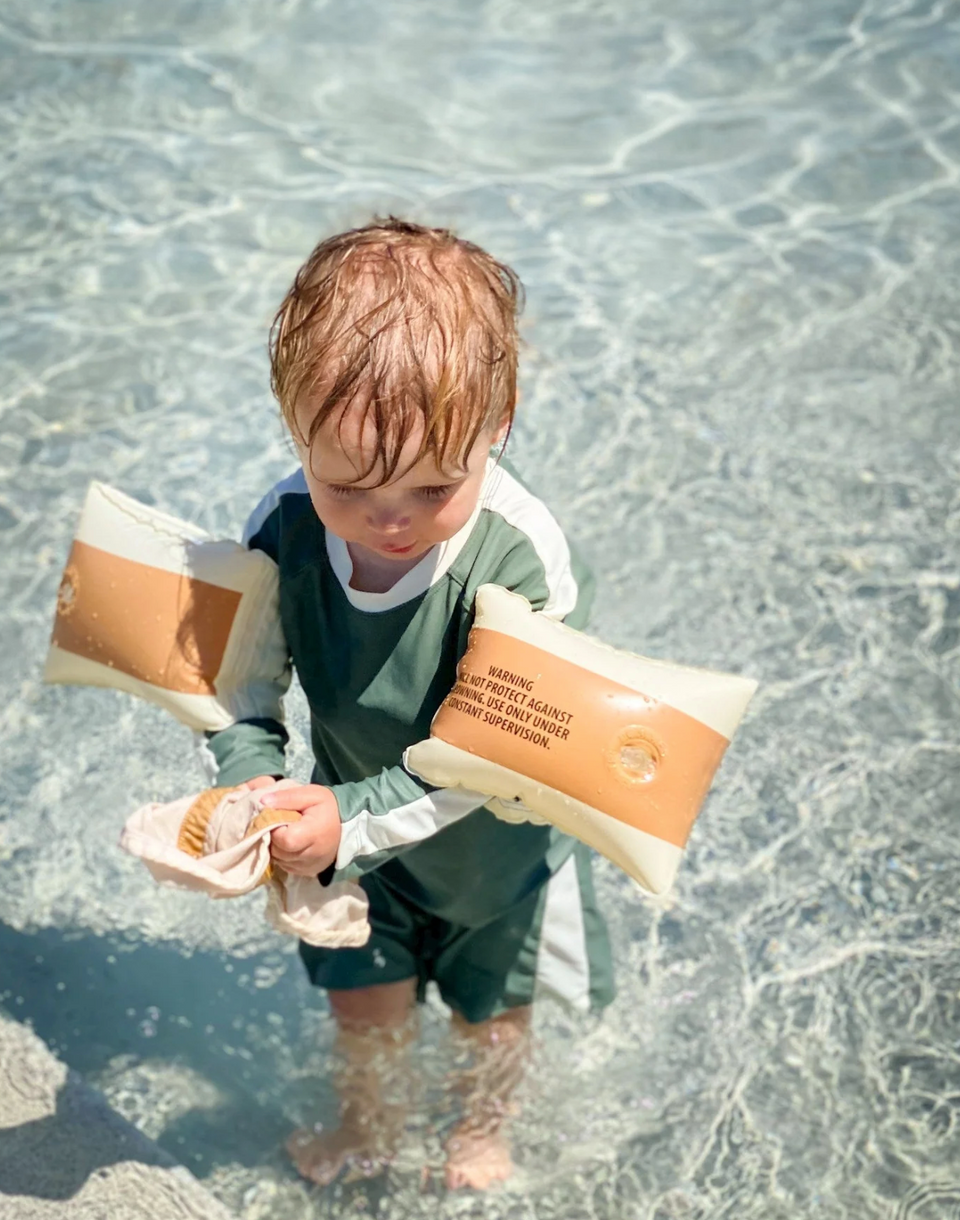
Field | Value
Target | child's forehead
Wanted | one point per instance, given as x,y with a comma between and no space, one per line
347,444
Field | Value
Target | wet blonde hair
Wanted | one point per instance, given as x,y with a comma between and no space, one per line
415,326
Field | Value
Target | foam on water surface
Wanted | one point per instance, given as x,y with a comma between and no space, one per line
738,227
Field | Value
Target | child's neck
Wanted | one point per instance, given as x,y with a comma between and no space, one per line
374,574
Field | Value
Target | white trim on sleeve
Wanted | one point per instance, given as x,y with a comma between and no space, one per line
563,966
505,495
369,833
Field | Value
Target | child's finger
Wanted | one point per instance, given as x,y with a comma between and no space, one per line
297,799
260,781
298,839
291,840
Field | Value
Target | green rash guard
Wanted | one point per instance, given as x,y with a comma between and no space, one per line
375,667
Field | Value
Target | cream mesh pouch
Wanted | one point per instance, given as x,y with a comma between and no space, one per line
616,749
156,607
218,843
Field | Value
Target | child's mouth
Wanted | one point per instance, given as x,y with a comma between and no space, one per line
398,550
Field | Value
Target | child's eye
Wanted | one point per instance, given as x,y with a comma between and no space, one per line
342,489
436,493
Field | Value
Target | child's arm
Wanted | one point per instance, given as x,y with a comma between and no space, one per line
358,826
245,750
255,745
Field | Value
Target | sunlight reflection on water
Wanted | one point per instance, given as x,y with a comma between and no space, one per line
737,224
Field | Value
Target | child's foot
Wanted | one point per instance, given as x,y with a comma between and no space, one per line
322,1157
477,1159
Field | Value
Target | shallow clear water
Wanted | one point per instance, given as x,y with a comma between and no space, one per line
738,224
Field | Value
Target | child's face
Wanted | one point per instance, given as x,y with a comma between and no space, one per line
400,521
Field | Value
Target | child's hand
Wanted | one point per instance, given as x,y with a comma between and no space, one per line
261,781
309,846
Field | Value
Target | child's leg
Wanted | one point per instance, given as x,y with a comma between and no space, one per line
374,1030
478,1153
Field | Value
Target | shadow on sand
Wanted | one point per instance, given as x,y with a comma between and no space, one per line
52,1157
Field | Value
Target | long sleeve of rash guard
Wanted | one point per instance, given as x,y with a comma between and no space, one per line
388,813
245,750
255,744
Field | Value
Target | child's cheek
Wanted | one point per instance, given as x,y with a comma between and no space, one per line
335,516
452,516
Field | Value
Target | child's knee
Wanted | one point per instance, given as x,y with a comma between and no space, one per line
385,1006
507,1028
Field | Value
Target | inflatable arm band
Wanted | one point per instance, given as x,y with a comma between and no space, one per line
613,748
157,608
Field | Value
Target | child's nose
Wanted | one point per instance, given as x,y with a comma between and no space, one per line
388,520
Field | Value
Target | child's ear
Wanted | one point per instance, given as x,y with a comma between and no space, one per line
500,434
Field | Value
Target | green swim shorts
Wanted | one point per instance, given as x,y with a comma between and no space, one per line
554,941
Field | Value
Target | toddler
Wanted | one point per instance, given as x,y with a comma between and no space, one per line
394,360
